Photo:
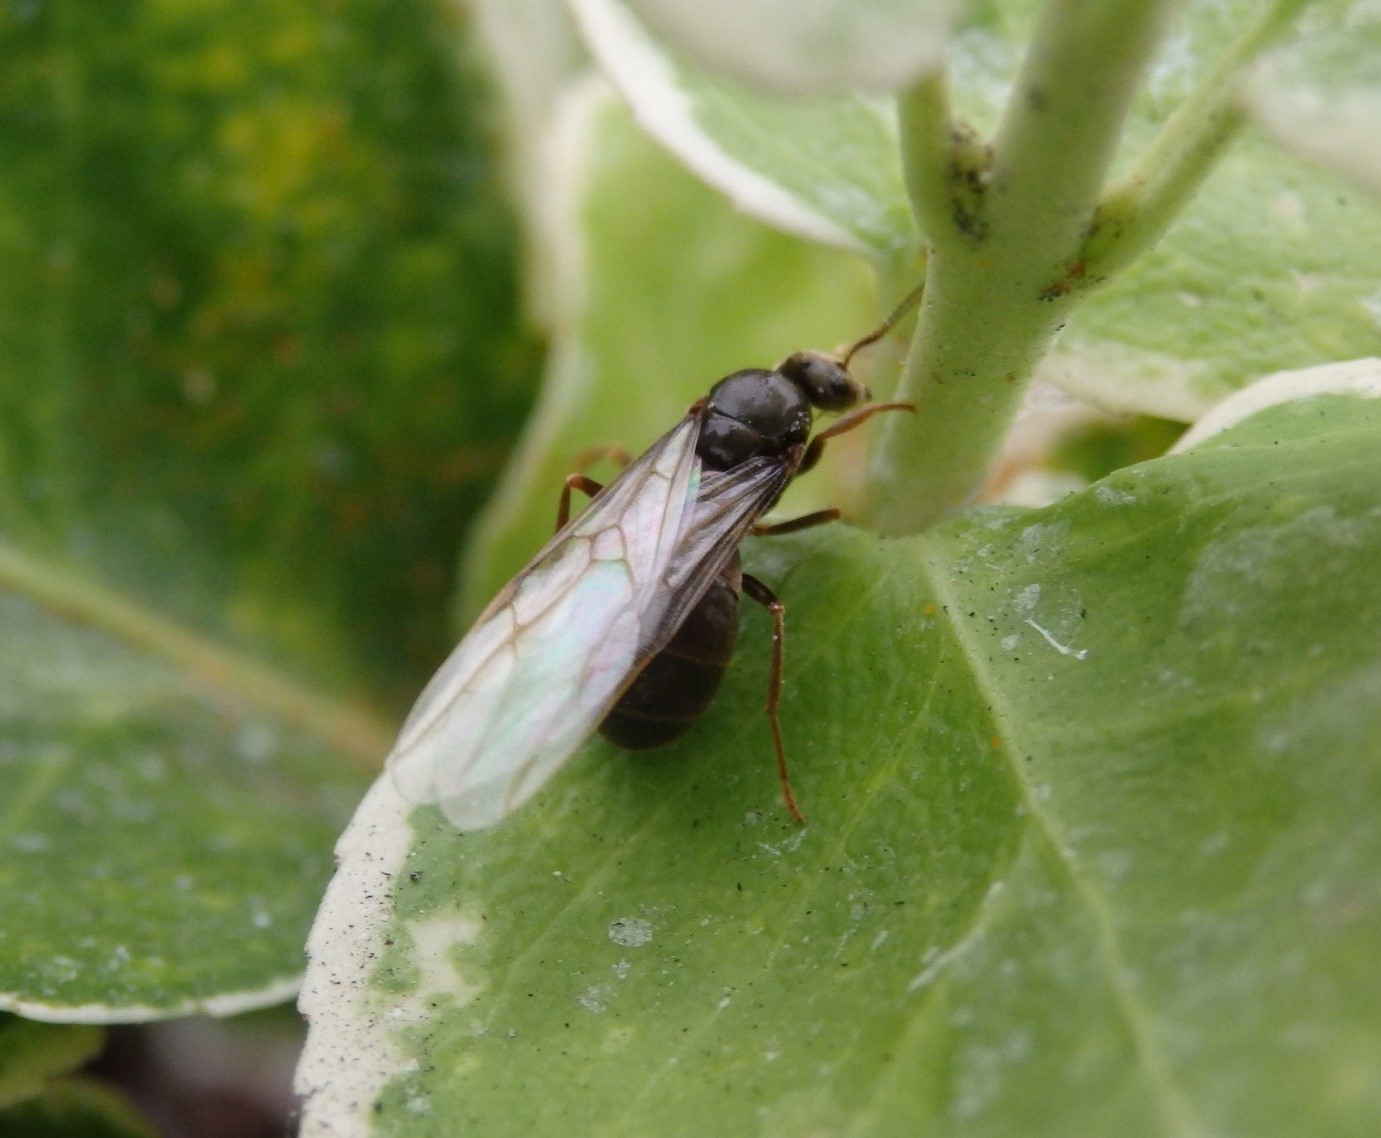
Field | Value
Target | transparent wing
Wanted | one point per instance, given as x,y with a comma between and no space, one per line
552,652
725,509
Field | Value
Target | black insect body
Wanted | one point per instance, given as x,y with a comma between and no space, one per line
752,414
678,684
628,616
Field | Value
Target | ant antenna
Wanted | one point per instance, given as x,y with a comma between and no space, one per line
908,302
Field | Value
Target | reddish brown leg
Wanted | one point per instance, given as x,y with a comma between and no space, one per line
847,423
765,597
613,452
794,525
574,482
588,486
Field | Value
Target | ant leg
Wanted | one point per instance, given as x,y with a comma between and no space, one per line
908,302
613,452
793,525
588,486
765,597
847,423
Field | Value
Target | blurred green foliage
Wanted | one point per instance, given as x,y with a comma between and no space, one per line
1099,449
258,311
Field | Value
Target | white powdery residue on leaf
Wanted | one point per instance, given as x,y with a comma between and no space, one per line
936,961
1062,649
1041,540
596,997
647,80
1236,576
787,845
630,932
984,1068
1318,720
1110,495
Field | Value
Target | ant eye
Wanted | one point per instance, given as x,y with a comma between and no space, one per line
825,381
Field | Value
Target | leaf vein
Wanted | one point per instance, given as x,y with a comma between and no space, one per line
1178,1115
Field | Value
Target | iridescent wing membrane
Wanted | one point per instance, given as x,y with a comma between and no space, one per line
553,652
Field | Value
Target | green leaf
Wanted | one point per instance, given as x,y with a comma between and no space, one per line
1271,265
76,1109
1092,847
660,293
824,168
32,1053
1360,378
248,251
162,851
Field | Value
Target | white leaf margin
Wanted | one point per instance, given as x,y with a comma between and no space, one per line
1361,377
1319,95
646,79
807,47
1124,379
1339,131
348,1057
221,1005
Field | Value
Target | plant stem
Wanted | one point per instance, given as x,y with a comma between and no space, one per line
350,730
928,160
999,280
1137,211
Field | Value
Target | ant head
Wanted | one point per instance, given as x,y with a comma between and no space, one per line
823,380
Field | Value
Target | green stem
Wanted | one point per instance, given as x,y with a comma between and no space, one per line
998,284
928,161
1137,211
350,730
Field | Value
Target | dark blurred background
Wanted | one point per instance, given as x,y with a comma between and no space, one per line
258,318
259,252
